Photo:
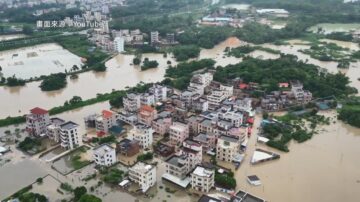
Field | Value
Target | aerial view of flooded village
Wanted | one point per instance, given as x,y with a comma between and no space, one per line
179,100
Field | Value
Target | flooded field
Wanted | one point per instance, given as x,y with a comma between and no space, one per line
119,74
295,45
11,36
328,28
37,60
16,176
324,168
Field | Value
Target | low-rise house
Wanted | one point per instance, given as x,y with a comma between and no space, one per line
128,147
69,135
105,121
178,132
193,122
128,117
202,179
143,174
164,149
176,165
227,147
146,115
162,125
200,104
131,102
208,141
143,134
37,121
53,130
199,82
104,155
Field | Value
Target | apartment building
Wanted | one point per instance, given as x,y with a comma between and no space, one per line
192,150
236,118
128,117
154,37
143,174
69,135
162,125
199,81
202,179
159,92
143,134
147,99
131,102
176,166
105,121
147,114
37,121
104,155
301,95
208,141
128,147
178,133
227,147
53,130
119,44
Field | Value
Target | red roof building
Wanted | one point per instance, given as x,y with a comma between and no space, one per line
38,111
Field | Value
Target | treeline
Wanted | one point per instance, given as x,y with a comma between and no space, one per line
54,82
269,73
350,112
185,52
181,74
204,37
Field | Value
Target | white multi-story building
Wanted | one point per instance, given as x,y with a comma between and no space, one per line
119,44
193,152
105,26
143,174
235,117
199,82
178,132
147,99
104,155
227,148
143,134
37,121
105,121
301,95
131,102
53,130
128,117
202,179
154,37
69,135
159,92
219,95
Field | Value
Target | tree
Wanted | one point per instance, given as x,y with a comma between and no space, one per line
75,100
89,198
136,61
28,30
79,192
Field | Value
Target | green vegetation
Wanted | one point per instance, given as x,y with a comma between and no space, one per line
145,157
112,176
13,81
39,180
204,37
31,145
32,197
328,52
79,192
136,61
298,127
104,140
182,73
77,162
341,36
54,82
241,51
66,187
269,73
89,198
186,52
148,64
225,180
350,112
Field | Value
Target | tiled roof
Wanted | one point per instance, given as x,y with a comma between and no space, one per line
39,111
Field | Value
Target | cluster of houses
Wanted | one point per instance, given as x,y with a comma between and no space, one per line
207,118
